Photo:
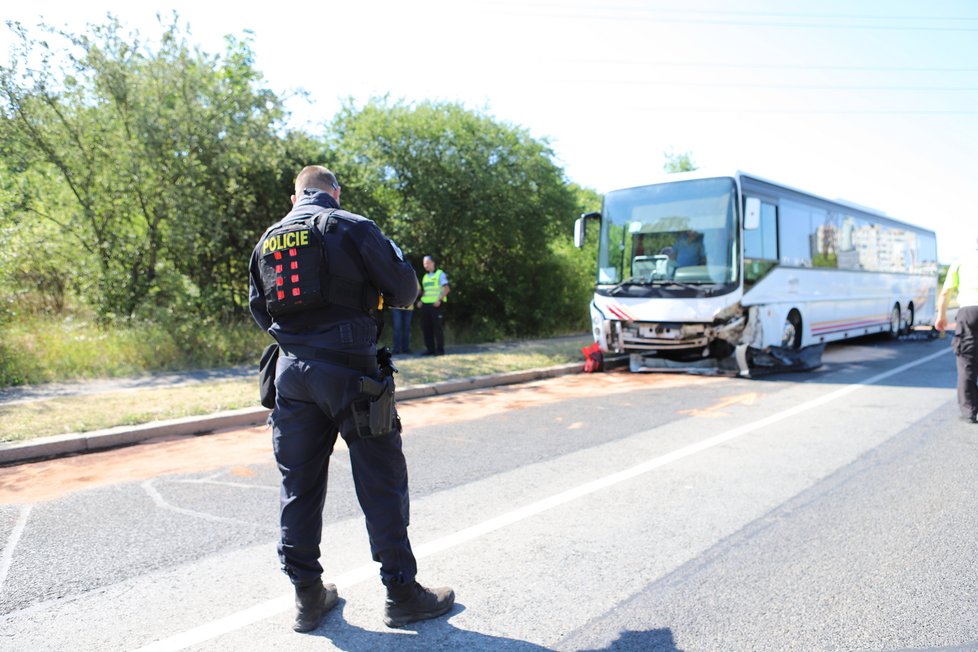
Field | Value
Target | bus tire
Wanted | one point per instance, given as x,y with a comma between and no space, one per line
791,334
908,325
895,322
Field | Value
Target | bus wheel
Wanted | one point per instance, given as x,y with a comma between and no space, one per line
894,331
908,325
791,335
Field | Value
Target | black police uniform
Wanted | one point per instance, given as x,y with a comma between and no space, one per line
314,393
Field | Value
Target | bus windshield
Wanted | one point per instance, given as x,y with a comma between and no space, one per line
680,235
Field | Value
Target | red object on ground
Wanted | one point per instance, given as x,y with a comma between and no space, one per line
593,358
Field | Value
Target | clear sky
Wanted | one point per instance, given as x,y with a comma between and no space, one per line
873,101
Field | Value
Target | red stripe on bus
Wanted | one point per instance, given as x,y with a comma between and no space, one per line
846,326
617,311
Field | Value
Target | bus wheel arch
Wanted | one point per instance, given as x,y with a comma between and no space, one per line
791,331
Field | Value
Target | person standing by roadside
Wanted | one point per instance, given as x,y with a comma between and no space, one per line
316,279
401,325
435,289
963,277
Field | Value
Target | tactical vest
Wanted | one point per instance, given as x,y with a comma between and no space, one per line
295,269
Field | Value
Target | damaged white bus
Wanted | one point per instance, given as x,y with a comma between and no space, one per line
737,274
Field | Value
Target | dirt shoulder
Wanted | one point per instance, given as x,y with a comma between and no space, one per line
95,406
240,449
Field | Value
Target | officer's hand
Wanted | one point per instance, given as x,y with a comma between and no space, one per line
438,303
941,323
418,305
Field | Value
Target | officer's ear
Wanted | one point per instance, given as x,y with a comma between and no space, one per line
293,199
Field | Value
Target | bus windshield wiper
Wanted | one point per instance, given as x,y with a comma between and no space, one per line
621,287
678,284
644,282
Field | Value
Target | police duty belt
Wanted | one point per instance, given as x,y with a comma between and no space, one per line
364,363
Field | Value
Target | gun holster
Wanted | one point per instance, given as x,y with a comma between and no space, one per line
381,415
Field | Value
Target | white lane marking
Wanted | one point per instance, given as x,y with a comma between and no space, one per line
7,559
533,509
161,503
277,605
228,483
257,613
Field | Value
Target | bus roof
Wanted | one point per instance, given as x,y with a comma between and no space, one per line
740,174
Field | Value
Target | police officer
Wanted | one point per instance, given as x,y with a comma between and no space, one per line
963,277
435,290
316,279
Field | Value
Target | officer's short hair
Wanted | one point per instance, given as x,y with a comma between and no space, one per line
315,176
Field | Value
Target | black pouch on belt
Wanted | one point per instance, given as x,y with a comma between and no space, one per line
381,405
266,375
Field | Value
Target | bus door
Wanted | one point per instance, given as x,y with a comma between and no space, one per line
760,239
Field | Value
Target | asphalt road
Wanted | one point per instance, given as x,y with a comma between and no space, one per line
827,510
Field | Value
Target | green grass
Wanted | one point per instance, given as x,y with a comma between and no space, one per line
491,359
85,413
43,351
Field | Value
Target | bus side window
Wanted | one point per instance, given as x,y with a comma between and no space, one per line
761,245
795,232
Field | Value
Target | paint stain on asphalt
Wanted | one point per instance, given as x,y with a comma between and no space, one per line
239,449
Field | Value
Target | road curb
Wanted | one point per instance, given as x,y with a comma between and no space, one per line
96,440
87,442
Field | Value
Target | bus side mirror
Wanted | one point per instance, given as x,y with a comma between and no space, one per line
752,213
579,227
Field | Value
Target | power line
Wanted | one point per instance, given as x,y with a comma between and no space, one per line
844,26
774,14
776,111
804,87
666,15
767,66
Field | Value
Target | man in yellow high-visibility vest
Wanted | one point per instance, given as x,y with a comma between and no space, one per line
435,288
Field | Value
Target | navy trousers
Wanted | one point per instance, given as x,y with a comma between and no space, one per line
401,325
433,327
304,430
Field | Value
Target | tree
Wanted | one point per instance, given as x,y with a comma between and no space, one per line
682,162
170,158
143,175
33,273
484,198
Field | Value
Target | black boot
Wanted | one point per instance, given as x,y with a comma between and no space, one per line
311,604
413,602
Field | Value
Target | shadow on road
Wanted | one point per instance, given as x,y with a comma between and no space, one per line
653,640
425,636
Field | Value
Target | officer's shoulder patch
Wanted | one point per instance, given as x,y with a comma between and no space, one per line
397,250
349,217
